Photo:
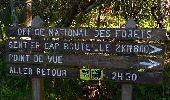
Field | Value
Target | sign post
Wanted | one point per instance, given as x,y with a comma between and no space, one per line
37,83
127,88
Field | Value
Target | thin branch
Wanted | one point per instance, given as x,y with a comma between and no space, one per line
75,10
98,19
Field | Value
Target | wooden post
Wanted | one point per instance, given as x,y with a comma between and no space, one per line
127,88
126,92
37,83
37,88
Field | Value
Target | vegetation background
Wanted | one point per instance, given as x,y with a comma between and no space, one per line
83,13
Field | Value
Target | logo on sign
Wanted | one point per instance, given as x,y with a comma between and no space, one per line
96,74
85,74
91,74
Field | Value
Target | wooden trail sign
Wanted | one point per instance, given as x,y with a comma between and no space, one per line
65,72
2,50
134,77
86,47
87,60
117,33
22,60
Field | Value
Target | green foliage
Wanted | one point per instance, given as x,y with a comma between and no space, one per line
12,87
167,24
148,92
147,23
62,89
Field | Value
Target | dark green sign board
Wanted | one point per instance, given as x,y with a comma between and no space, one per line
86,74
86,47
117,33
87,60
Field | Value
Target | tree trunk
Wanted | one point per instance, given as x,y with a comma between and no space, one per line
28,13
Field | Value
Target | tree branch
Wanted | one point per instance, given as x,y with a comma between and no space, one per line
70,14
75,10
